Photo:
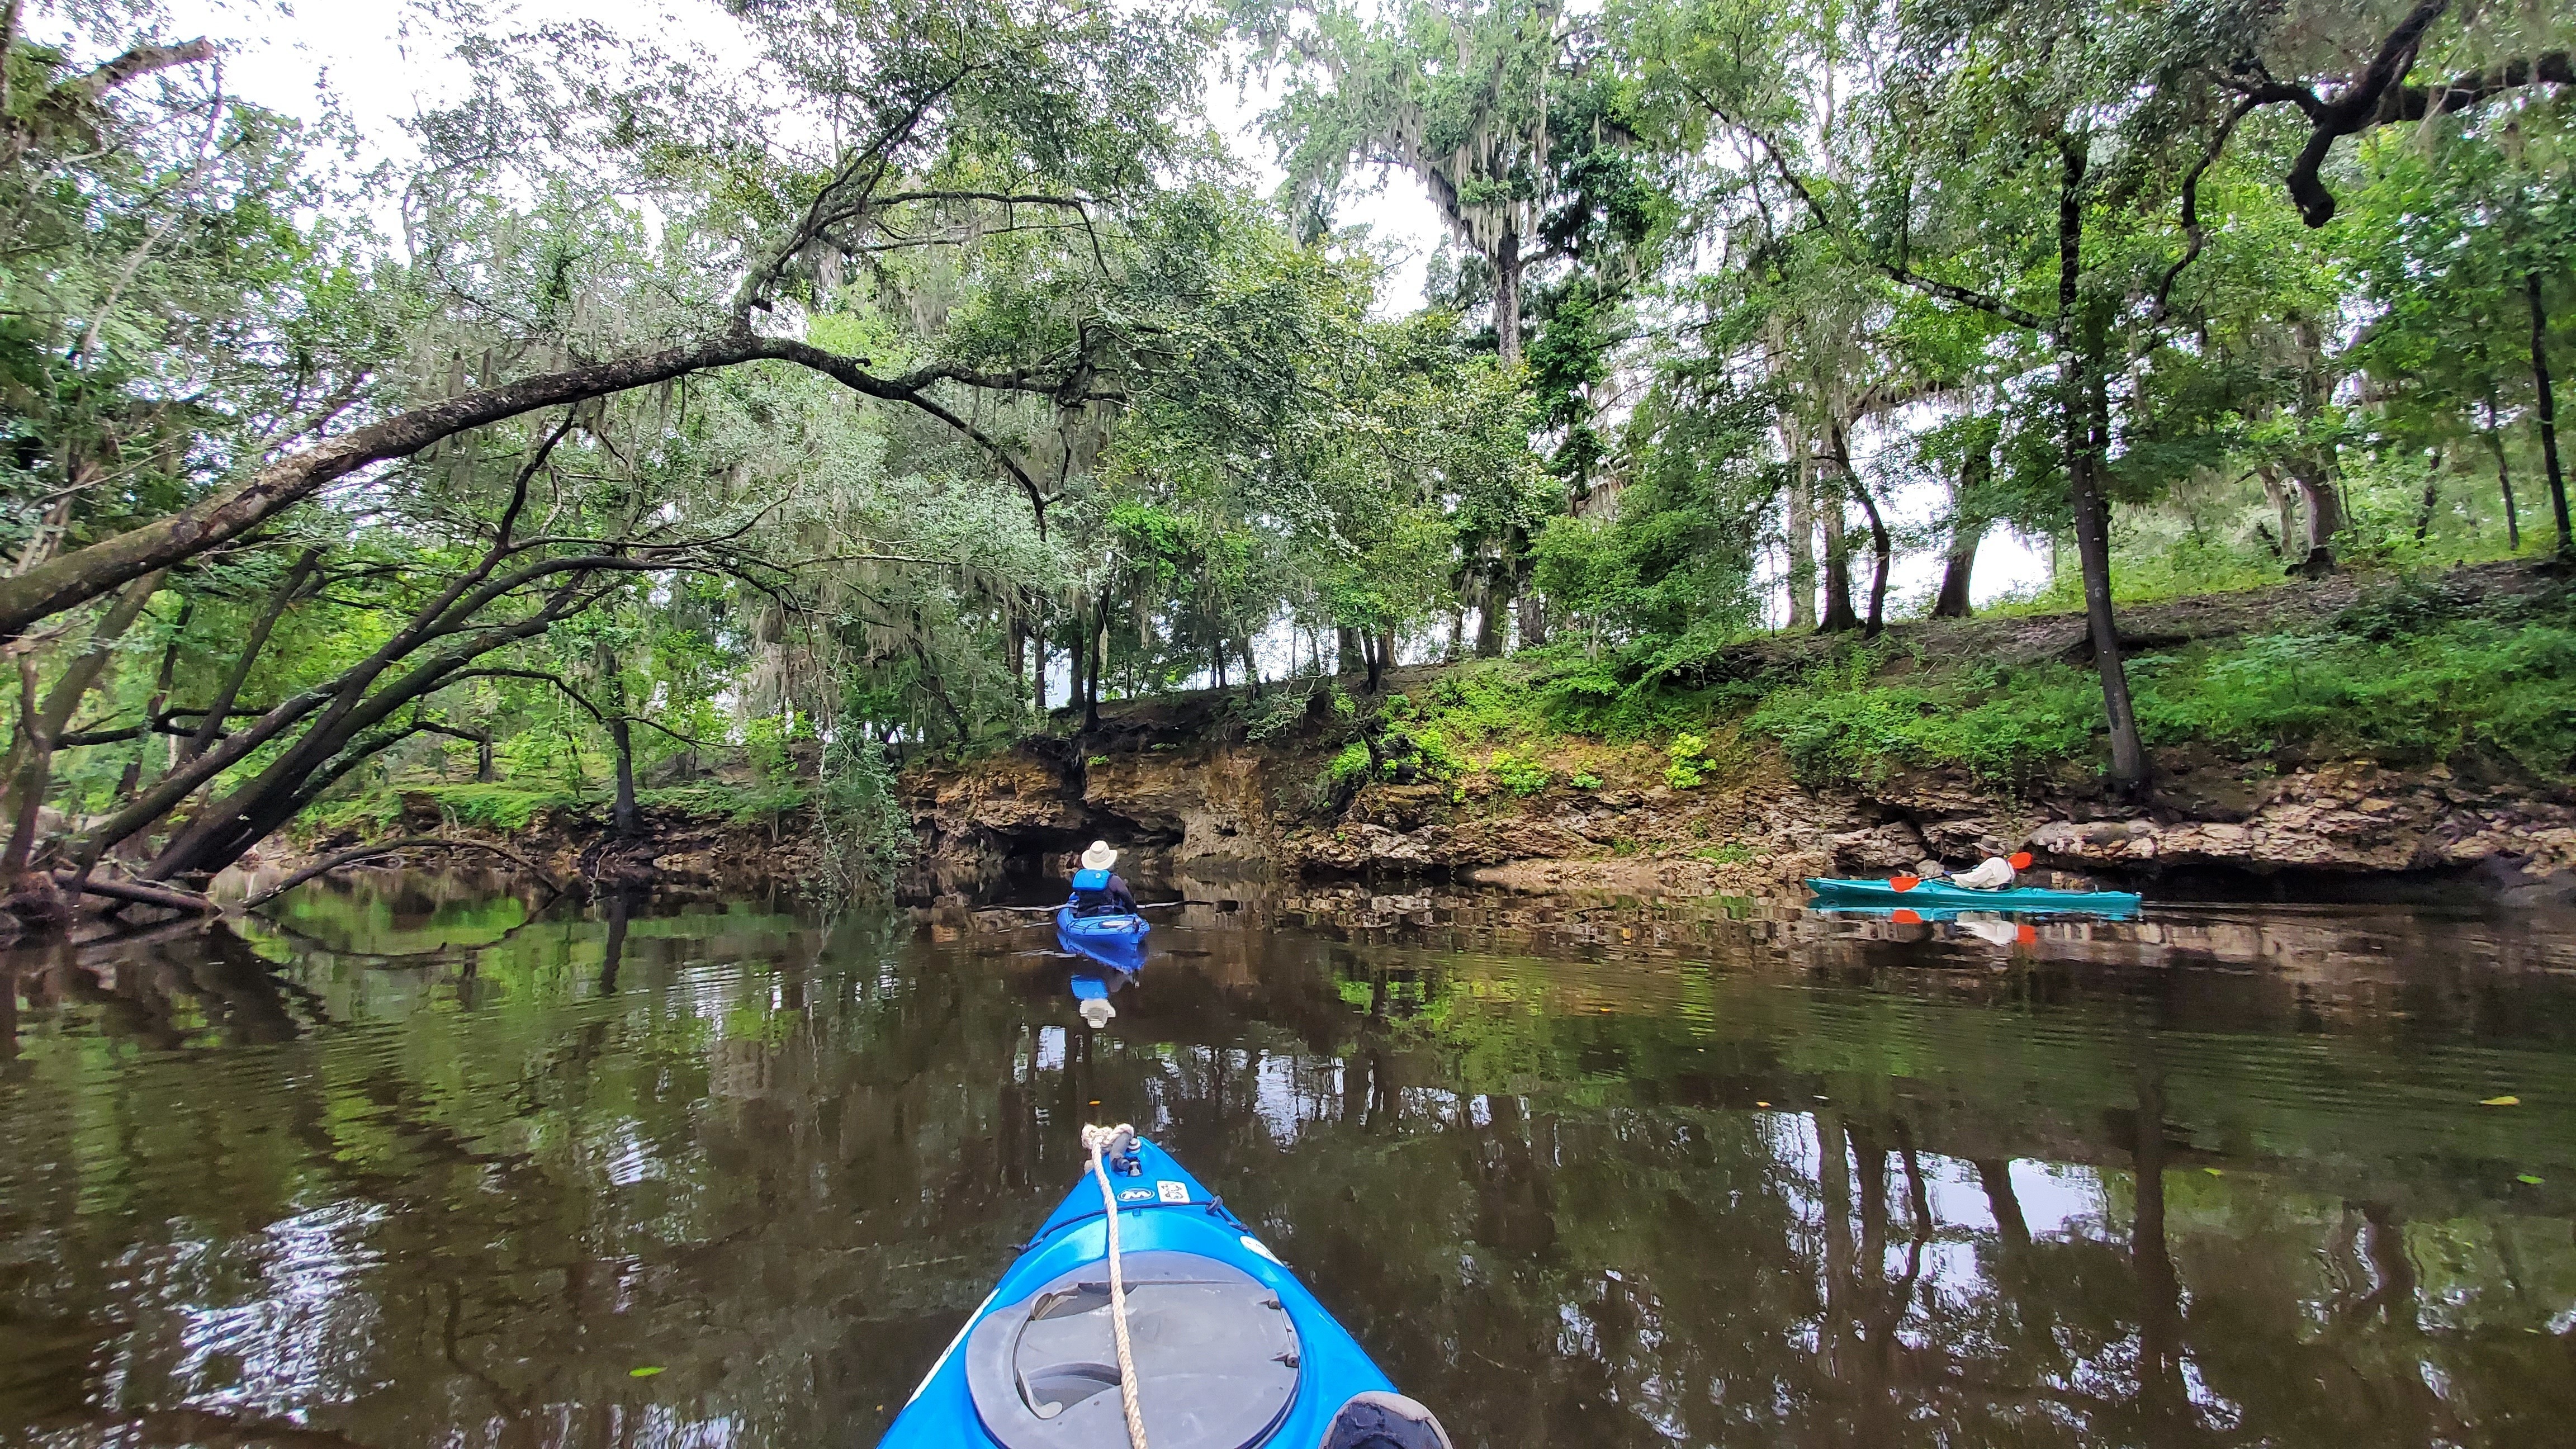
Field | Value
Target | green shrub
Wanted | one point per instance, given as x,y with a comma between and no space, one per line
1513,773
1840,730
1586,780
1433,755
736,804
1690,764
497,806
1276,712
1350,765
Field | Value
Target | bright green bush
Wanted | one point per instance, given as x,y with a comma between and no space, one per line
1689,754
1433,755
1350,765
1516,774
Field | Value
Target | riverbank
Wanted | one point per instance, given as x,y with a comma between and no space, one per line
2350,735
2313,735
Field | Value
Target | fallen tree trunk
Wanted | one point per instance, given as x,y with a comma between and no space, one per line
356,853
137,894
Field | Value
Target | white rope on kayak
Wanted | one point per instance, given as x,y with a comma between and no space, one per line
1097,1140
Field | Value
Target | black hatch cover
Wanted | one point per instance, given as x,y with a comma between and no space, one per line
1216,1358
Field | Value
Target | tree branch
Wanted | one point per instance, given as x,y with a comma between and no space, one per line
74,578
2378,95
1895,272
136,893
128,68
2191,226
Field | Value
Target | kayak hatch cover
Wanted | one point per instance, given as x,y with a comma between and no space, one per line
1231,1351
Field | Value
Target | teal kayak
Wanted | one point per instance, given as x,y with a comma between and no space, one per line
1933,894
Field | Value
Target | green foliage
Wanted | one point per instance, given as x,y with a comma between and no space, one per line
1420,752
1276,712
1351,766
499,807
2405,677
2409,696
756,804
1689,755
1516,774
860,816
2003,732
1585,780
1475,703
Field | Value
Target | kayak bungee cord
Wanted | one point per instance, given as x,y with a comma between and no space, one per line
1095,1139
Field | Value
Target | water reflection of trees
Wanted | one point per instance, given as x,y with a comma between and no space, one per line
461,1201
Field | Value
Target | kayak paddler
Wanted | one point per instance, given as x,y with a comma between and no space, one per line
1096,890
1994,873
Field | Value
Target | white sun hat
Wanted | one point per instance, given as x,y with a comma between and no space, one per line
1099,856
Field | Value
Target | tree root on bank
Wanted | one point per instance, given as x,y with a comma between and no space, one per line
354,854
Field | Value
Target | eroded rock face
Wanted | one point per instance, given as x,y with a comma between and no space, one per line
1256,806
1201,805
2346,818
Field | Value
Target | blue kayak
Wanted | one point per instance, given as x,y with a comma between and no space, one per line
1933,894
1230,1350
1117,942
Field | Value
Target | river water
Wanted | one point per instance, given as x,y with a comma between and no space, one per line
415,1166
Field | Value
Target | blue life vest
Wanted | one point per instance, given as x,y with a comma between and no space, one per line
1091,893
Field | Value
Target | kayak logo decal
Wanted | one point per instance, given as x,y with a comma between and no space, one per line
1171,1191
1135,1194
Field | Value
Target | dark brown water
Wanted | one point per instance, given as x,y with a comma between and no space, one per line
422,1171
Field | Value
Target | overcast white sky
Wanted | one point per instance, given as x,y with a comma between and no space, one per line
382,61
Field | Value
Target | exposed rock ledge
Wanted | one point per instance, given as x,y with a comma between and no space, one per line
1207,804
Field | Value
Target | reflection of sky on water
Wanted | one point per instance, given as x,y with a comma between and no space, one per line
2058,1200
303,1336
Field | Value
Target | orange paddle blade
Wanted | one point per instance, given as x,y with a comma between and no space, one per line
1905,916
2020,859
1906,882
2027,936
